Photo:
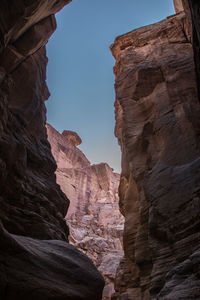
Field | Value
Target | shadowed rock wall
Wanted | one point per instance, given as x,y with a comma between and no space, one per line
192,10
31,202
157,125
32,205
178,6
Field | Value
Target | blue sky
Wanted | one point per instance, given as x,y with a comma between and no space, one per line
80,69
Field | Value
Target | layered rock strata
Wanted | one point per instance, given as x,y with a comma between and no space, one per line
157,125
32,205
192,10
178,6
95,222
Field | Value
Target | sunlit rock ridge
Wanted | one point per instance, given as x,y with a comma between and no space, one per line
94,219
157,125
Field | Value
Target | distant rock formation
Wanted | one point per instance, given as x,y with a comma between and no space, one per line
157,125
95,222
72,137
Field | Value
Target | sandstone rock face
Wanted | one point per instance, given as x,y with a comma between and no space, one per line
72,137
178,5
18,17
157,125
93,217
32,205
29,194
192,10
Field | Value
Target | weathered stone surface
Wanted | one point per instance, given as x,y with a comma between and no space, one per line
72,137
157,125
31,201
52,269
93,217
178,5
192,10
27,44
183,281
36,261
17,17
158,128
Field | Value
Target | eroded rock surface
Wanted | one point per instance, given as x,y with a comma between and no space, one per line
178,5
192,10
29,194
157,126
33,206
93,217
45,269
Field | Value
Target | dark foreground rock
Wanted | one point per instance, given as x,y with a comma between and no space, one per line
183,281
45,269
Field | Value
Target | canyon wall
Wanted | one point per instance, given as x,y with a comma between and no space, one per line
94,220
36,262
192,10
157,125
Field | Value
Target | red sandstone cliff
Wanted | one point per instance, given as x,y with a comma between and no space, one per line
94,220
157,125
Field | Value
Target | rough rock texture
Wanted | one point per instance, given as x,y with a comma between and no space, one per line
192,10
178,5
72,137
93,217
157,125
45,269
32,204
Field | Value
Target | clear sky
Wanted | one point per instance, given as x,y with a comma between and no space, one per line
80,75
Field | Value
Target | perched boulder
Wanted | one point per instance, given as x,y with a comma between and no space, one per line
72,137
